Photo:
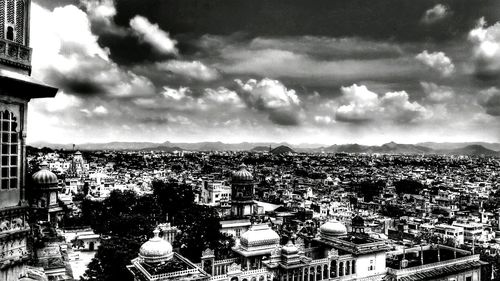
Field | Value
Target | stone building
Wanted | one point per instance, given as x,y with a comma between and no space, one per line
17,88
334,254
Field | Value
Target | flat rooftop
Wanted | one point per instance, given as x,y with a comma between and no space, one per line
430,255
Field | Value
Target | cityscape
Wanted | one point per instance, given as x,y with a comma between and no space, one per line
237,140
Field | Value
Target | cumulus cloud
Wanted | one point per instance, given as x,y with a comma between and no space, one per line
189,69
358,104
490,100
100,10
154,35
437,93
185,99
435,14
486,52
272,97
67,55
437,61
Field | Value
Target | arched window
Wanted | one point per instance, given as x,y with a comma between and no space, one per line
10,33
9,150
333,269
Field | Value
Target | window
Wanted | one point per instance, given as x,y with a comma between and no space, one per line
12,20
468,278
372,265
10,33
9,150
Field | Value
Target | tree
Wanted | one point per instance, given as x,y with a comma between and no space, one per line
408,187
127,219
369,189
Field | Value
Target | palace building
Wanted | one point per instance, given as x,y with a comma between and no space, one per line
334,254
17,88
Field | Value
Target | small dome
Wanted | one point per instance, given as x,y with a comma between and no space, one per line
242,175
156,249
333,228
289,249
44,177
260,235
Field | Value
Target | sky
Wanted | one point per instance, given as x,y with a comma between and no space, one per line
300,71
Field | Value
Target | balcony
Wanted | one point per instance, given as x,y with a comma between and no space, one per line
15,55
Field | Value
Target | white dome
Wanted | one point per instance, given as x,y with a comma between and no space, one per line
258,236
333,228
156,250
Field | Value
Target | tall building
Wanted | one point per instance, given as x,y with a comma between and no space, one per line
242,193
17,88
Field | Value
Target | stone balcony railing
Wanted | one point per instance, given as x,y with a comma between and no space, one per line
15,54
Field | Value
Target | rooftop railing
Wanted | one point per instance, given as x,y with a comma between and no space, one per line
415,269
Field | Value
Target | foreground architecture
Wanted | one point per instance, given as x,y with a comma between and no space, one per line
17,88
334,254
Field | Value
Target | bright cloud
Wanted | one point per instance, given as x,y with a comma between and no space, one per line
190,69
271,96
437,61
486,53
358,104
435,14
154,35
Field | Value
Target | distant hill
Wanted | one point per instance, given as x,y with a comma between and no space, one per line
388,148
474,149
163,148
455,145
260,149
397,148
282,149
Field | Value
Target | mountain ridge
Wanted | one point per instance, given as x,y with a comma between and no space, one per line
387,148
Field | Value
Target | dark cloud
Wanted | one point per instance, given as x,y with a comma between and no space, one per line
285,117
490,101
395,20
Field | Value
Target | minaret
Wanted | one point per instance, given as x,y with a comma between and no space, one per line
242,193
17,88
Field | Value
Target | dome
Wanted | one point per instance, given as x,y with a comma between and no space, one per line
242,175
333,228
289,249
44,176
156,249
260,235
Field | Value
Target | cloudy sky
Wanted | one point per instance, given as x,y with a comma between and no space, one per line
301,71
